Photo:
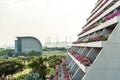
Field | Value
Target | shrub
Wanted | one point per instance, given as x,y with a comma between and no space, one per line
32,76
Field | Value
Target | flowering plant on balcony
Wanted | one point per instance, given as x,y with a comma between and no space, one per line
101,21
66,74
55,77
109,16
65,71
116,13
111,4
82,59
95,16
83,31
76,42
98,38
70,51
76,55
86,29
85,41
56,68
97,10
86,61
94,9
93,39
94,25
56,72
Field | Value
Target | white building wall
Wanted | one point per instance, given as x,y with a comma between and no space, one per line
29,44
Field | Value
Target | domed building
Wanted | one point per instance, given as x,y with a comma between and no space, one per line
27,44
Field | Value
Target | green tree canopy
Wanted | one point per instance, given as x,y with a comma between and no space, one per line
9,67
33,53
38,65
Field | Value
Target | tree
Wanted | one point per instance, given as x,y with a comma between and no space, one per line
9,67
38,65
33,53
9,52
54,60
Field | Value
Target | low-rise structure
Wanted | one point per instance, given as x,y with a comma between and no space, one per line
27,44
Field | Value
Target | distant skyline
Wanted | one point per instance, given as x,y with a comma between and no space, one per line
42,19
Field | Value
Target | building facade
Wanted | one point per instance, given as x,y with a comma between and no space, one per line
27,44
95,55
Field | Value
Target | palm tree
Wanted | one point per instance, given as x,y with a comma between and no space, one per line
38,65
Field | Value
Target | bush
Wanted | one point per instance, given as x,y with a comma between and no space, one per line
32,76
20,77
38,65
9,67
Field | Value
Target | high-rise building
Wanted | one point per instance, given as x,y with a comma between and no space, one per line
27,44
95,55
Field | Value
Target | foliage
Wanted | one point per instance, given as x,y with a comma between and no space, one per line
65,70
92,39
21,77
112,15
8,52
55,49
39,66
26,59
9,67
33,53
54,60
81,58
32,76
42,65
30,53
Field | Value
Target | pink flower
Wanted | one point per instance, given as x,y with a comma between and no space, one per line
86,61
82,59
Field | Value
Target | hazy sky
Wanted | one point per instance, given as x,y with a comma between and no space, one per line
42,19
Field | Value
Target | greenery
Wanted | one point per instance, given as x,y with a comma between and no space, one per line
21,77
22,67
33,53
9,52
38,65
52,53
55,49
54,60
30,53
9,67
32,76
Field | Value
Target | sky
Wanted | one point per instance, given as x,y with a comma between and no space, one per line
42,19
